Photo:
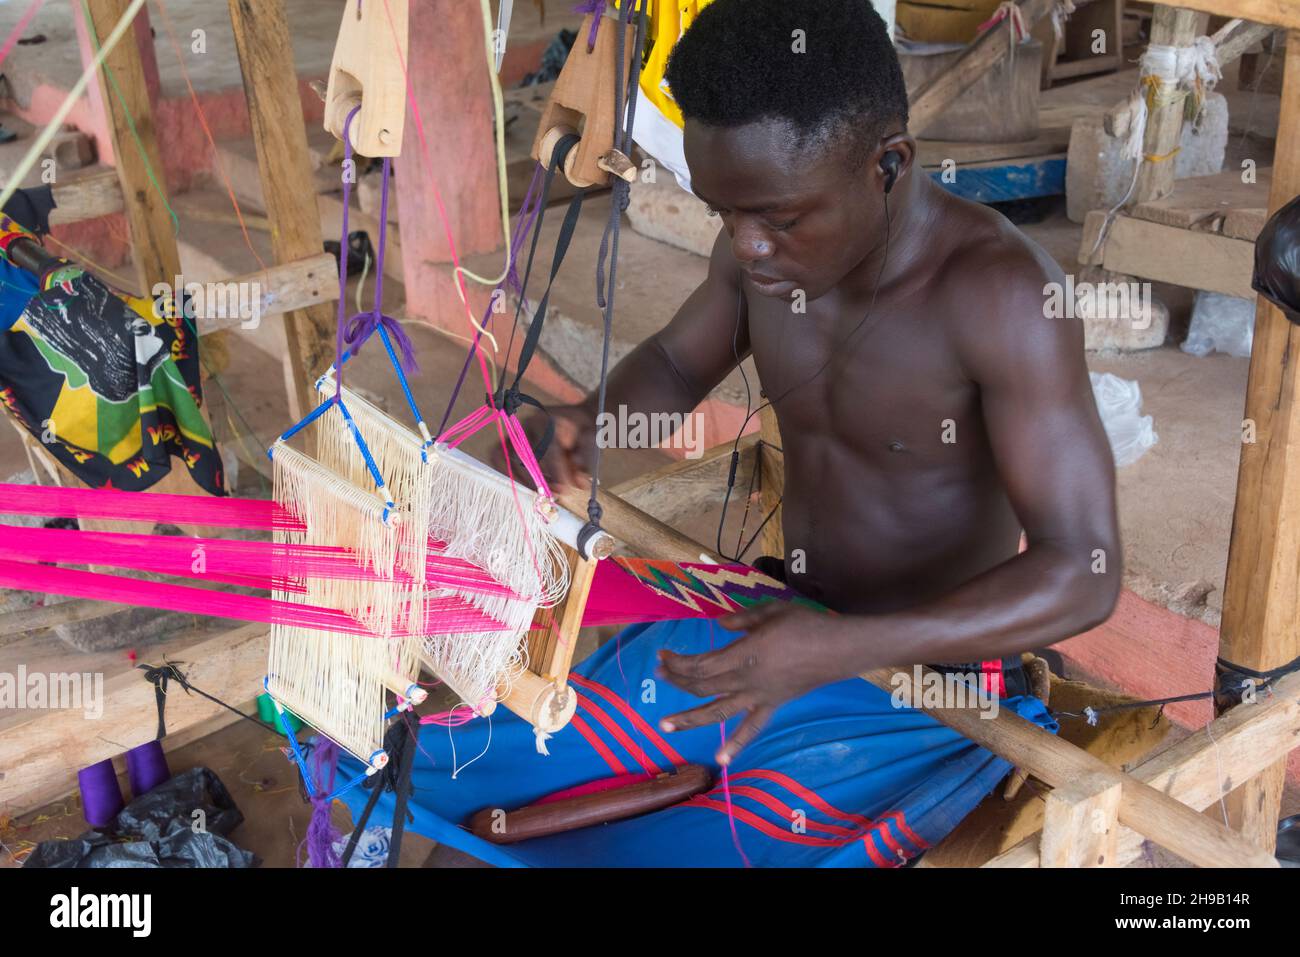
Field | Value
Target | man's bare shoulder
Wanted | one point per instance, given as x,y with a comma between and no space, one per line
995,284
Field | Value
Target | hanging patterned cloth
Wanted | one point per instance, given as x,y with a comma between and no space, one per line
109,385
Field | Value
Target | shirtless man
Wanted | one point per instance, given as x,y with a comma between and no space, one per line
929,411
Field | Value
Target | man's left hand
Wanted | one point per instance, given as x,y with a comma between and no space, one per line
781,656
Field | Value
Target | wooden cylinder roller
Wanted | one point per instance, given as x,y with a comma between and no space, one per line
547,149
540,702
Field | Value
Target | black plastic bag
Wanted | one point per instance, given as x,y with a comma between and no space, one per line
160,829
1277,260
1288,841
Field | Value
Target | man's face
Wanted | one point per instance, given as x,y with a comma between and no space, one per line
798,220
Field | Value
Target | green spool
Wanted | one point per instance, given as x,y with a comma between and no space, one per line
266,711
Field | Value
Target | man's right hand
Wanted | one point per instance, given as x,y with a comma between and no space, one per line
566,462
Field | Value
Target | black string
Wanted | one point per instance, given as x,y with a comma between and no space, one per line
1262,680
160,675
606,286
771,403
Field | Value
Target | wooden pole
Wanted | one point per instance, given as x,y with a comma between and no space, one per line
126,93
1261,599
1170,26
1081,823
280,137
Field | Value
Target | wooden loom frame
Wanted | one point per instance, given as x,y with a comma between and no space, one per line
1096,815
301,285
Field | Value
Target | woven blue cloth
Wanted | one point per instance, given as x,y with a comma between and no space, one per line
841,777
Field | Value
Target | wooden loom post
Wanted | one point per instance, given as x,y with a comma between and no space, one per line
280,137
126,93
1261,596
1170,26
1081,823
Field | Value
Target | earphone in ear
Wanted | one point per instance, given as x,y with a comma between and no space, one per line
891,162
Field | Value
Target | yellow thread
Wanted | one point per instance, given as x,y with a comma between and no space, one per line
1153,158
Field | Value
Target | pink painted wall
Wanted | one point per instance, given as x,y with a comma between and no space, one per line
455,157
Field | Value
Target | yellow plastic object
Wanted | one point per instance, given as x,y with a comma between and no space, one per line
669,19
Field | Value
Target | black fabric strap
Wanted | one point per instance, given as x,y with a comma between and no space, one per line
567,229
606,280
403,788
1225,667
401,747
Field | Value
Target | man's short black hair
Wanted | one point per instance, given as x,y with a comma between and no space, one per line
839,79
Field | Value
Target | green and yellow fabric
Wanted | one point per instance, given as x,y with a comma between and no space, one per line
108,383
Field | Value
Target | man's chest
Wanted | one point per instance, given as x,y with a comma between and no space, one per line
882,383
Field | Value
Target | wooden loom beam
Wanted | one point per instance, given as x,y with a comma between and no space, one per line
1200,770
981,56
1281,13
280,137
286,287
86,197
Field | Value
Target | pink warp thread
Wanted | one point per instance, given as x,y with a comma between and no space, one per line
32,9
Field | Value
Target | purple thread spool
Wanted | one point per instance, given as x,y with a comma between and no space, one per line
146,767
101,798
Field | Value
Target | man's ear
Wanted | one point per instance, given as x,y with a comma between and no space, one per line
901,148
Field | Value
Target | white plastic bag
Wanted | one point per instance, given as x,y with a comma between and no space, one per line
1220,324
1120,403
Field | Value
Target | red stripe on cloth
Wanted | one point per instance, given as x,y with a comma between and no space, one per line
790,784
630,713
774,803
900,821
619,734
766,827
585,730
873,852
891,842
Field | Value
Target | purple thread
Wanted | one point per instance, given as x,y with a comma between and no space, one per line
146,767
363,325
321,833
101,798
598,8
